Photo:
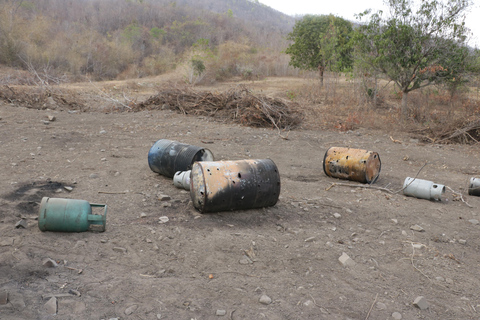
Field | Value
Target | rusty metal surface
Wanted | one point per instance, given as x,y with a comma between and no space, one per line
234,185
352,164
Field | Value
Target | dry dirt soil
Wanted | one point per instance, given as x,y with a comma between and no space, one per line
280,262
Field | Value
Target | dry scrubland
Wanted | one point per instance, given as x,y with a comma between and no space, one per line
280,262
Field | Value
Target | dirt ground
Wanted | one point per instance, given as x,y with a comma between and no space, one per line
280,262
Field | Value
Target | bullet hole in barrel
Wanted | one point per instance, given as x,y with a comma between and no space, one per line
201,192
435,186
375,157
233,181
239,175
346,158
218,169
208,170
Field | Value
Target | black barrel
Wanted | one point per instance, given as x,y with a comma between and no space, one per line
234,185
167,157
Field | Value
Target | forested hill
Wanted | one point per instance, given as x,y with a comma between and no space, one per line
108,38
251,11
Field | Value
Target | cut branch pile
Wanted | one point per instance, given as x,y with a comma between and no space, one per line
235,105
40,98
461,132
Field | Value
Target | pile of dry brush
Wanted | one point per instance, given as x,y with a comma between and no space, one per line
464,132
37,97
235,105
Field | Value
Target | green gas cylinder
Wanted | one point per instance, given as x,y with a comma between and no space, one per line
70,215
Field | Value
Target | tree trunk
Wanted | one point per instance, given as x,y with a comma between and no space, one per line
404,107
321,69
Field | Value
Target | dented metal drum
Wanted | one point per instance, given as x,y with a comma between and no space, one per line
234,185
167,157
352,164
474,187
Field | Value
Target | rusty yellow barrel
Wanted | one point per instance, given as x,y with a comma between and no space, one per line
234,185
352,164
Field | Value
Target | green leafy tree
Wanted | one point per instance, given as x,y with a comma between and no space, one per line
414,49
320,43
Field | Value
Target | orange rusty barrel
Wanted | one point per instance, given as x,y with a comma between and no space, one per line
234,185
352,164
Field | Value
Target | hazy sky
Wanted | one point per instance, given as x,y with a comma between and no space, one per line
348,8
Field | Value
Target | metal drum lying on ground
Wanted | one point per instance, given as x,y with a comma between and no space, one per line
352,164
167,157
474,187
70,215
234,185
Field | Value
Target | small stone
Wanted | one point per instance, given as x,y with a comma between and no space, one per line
68,188
166,204
441,279
93,176
310,239
309,303
346,261
102,131
473,221
421,302
337,215
5,242
221,313
50,263
245,260
51,306
51,118
264,299
417,228
74,292
397,315
16,300
462,241
3,297
21,224
103,159
395,221
163,197
418,246
131,309
119,249
148,240
404,233
163,219
381,306
143,215
449,281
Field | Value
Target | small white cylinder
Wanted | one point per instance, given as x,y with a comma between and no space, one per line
181,179
423,189
474,187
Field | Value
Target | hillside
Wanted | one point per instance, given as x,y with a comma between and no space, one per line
107,39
